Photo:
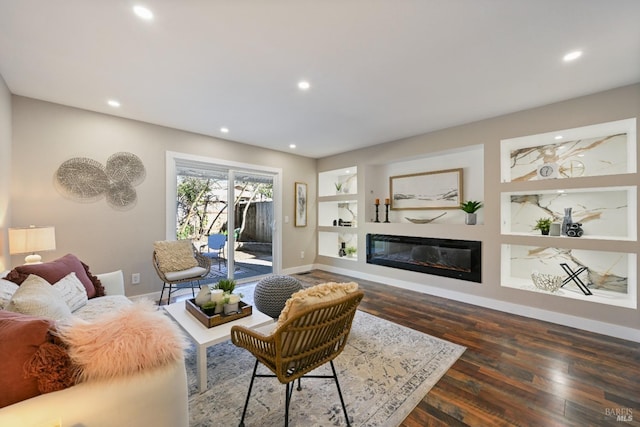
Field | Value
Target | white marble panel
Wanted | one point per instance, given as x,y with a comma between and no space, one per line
605,270
606,155
602,213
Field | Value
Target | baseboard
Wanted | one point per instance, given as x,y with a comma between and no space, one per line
590,325
153,296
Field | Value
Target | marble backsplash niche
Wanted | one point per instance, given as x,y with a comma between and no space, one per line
603,214
595,150
604,155
606,271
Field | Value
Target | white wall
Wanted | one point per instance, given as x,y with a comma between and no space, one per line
46,134
5,171
616,104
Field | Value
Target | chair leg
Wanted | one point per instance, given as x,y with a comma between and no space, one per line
193,292
169,296
344,407
287,400
246,402
164,285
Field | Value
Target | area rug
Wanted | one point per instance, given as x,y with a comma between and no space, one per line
384,372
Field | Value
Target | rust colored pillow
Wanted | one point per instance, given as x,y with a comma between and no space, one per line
20,338
55,270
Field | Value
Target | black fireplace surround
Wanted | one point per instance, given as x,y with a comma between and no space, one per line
459,259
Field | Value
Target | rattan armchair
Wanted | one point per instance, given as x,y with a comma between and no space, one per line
183,279
301,344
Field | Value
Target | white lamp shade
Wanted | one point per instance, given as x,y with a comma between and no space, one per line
31,240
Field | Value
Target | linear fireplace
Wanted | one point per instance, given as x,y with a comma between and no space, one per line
459,259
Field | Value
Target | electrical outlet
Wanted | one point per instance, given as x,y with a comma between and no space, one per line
135,278
301,254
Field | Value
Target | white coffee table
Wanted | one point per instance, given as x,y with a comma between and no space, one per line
206,337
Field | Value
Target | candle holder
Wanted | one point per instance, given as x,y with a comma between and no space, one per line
386,213
377,220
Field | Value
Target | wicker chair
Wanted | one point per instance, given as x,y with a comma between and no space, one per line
301,344
183,279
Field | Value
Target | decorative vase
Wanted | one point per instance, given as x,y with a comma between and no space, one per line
566,221
231,308
342,252
209,311
203,296
470,218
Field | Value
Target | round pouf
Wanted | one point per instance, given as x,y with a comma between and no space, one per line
272,293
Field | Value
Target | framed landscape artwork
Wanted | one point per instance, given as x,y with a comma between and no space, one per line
428,190
301,204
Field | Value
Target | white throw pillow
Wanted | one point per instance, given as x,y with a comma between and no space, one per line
72,290
36,297
7,289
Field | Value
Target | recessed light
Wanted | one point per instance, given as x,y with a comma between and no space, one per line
304,85
113,103
562,147
557,137
224,130
571,56
143,13
560,191
292,146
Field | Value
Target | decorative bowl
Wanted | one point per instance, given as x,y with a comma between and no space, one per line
546,282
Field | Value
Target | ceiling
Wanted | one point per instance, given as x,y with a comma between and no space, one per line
379,70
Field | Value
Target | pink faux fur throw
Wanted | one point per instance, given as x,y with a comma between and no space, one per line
129,340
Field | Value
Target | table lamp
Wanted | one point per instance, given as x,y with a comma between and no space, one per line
31,240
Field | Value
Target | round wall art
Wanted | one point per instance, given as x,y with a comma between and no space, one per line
87,180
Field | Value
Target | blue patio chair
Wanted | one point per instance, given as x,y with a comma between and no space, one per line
215,248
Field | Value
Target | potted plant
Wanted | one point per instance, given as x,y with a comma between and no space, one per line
543,224
227,285
470,207
338,186
351,251
209,308
230,301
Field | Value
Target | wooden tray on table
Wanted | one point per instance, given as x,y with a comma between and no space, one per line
217,319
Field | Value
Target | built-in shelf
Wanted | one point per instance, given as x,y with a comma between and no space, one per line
594,175
604,212
337,206
610,276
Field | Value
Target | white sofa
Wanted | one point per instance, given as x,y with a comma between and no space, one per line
157,397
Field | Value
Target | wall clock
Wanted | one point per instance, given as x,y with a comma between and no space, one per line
547,170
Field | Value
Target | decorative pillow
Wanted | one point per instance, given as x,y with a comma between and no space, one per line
7,289
56,270
316,294
37,297
174,255
20,338
51,367
130,340
72,290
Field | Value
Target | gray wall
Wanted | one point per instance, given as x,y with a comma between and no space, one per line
5,171
46,134
621,103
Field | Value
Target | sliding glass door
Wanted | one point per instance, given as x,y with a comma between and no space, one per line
214,199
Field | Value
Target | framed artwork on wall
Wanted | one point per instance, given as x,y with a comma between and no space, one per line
301,204
428,190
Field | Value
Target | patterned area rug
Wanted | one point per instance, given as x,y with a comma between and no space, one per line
384,372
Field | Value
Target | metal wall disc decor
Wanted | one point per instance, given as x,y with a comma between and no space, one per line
85,179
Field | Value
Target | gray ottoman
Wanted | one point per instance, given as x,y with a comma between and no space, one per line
272,293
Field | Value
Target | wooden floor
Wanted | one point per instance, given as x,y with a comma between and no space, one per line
515,371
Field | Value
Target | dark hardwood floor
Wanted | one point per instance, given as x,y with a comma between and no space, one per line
516,370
